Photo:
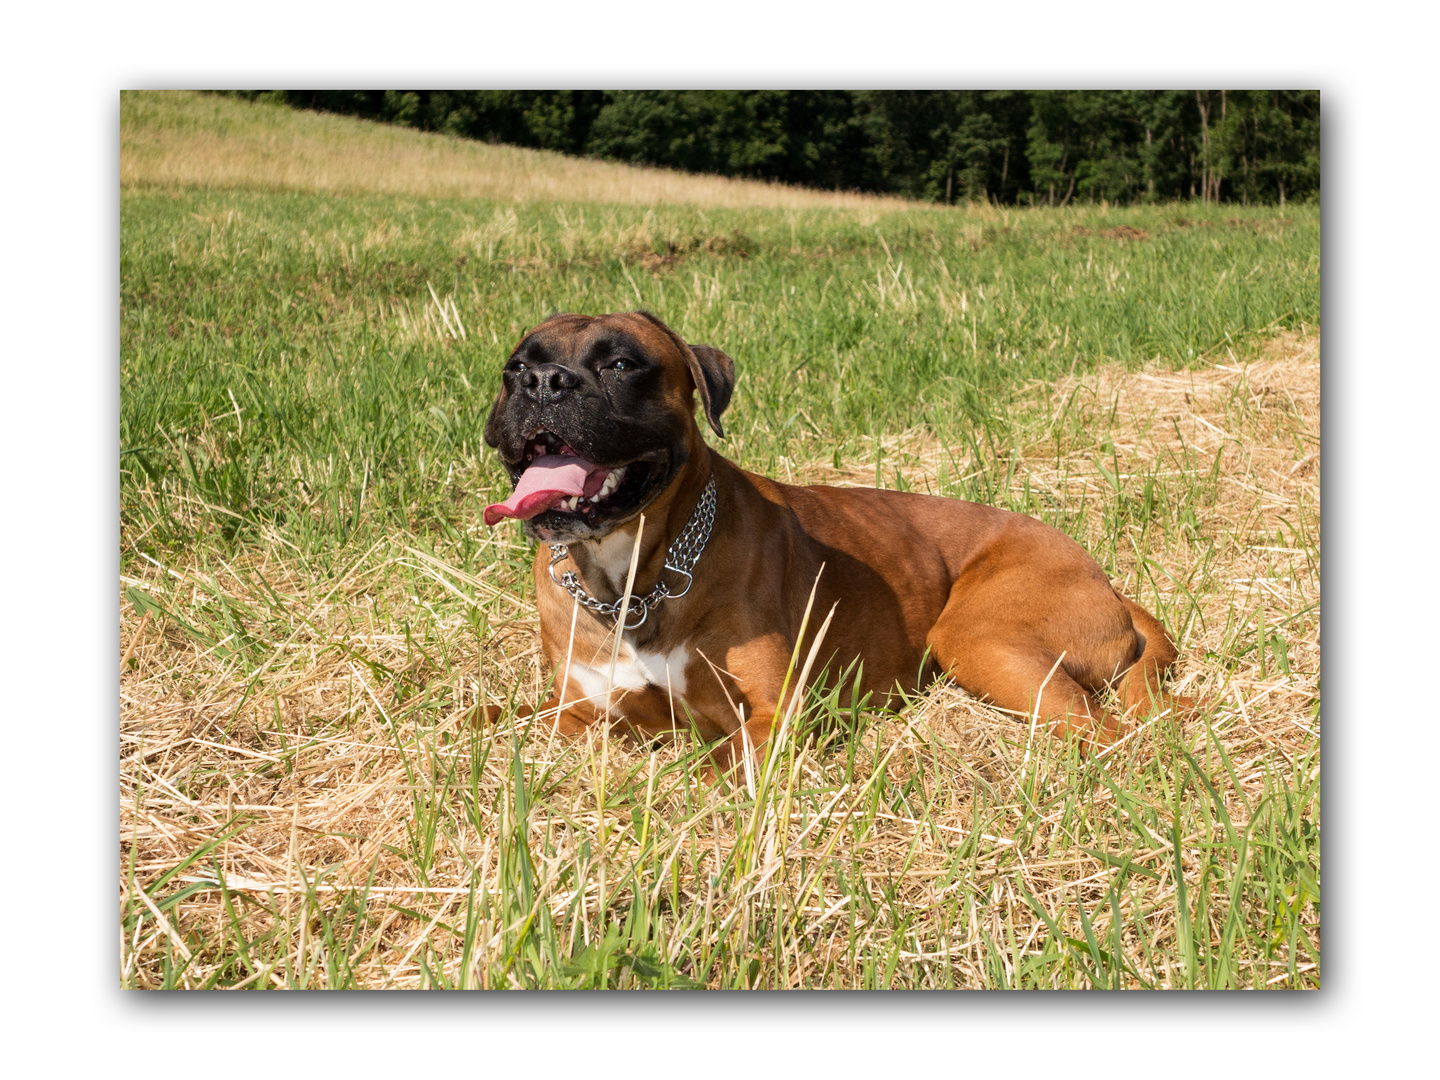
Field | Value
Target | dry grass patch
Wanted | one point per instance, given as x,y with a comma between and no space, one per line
185,139
302,803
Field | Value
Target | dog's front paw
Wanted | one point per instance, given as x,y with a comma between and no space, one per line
484,715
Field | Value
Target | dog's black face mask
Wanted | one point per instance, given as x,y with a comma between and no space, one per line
590,424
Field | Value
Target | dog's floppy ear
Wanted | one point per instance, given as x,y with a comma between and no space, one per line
710,369
714,375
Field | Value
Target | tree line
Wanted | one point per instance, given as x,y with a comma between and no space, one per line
1026,147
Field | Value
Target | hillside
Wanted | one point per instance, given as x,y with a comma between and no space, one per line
187,139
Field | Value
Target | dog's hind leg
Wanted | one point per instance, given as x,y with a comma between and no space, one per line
1047,645
1139,688
1020,678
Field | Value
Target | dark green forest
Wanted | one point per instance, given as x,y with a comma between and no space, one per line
1027,147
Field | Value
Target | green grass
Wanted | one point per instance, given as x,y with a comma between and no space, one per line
310,600
314,318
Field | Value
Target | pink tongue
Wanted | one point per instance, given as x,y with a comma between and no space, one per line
548,480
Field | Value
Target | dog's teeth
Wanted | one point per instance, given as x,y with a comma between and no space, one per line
606,489
612,481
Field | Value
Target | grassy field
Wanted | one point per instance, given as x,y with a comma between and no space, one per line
309,599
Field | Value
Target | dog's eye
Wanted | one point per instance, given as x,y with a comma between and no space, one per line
623,365
515,365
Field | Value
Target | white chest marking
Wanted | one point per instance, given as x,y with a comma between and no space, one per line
635,670
612,555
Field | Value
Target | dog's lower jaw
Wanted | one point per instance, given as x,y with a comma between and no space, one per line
552,528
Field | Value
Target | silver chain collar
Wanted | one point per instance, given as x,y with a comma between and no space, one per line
681,557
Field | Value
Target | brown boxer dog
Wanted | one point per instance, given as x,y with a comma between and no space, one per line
595,421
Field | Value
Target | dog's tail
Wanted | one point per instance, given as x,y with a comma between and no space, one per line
1139,688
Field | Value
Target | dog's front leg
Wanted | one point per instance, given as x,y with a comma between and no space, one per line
552,713
573,711
750,740
568,711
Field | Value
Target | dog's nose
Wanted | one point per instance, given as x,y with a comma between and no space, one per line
546,381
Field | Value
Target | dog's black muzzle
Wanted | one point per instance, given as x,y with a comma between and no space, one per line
546,384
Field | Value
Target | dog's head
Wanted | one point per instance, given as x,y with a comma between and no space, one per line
596,419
